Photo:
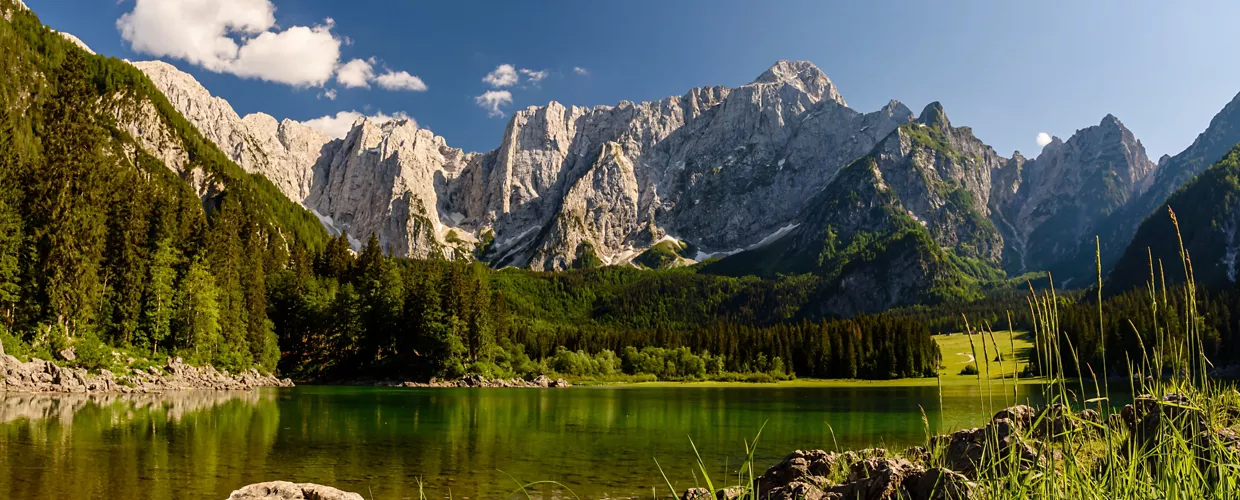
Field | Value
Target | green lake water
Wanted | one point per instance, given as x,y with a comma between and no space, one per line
600,442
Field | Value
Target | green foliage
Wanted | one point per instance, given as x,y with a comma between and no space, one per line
663,255
585,257
107,235
93,354
969,369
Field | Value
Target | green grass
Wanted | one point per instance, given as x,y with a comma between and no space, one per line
957,352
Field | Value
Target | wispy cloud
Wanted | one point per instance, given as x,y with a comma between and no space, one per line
534,76
581,71
492,100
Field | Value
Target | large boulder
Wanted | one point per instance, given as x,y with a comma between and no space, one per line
284,490
811,466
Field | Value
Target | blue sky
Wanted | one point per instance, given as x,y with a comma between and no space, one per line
1009,70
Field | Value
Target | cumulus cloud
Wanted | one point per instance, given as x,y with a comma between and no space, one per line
356,73
1043,139
233,36
240,37
330,94
492,100
505,75
400,80
338,126
534,76
581,71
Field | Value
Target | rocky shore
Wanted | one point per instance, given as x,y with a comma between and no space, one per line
38,375
541,382
1019,436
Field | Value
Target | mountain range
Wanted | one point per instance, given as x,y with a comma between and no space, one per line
776,176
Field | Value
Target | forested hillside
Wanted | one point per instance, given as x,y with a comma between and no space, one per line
101,241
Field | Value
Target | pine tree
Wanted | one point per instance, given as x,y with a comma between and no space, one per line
159,296
198,312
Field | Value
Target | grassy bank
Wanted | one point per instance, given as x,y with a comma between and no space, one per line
1005,355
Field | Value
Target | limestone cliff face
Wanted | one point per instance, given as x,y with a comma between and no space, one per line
387,180
722,168
283,152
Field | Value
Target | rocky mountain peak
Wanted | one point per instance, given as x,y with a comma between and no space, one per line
803,75
934,116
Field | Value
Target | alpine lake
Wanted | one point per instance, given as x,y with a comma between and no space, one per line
397,443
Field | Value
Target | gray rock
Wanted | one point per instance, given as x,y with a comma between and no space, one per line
283,490
1047,207
68,354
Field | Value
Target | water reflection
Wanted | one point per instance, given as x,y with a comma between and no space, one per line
601,442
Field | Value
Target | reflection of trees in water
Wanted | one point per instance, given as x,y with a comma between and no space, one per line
192,444
174,405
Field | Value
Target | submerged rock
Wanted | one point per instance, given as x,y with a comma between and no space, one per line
284,490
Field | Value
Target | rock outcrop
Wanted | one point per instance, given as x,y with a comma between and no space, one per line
38,375
284,152
284,490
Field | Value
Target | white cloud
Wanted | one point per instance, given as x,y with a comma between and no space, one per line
505,75
534,76
581,71
1043,139
356,73
233,36
492,100
339,126
330,94
400,80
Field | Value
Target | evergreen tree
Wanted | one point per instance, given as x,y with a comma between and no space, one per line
198,312
159,296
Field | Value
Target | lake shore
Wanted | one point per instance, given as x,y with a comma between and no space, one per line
41,376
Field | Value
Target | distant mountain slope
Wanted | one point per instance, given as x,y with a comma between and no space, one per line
1208,212
1067,191
1117,231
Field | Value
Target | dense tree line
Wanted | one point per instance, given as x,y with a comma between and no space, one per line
376,316
1140,325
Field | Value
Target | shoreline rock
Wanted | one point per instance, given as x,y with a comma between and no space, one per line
1019,436
40,376
470,381
284,490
